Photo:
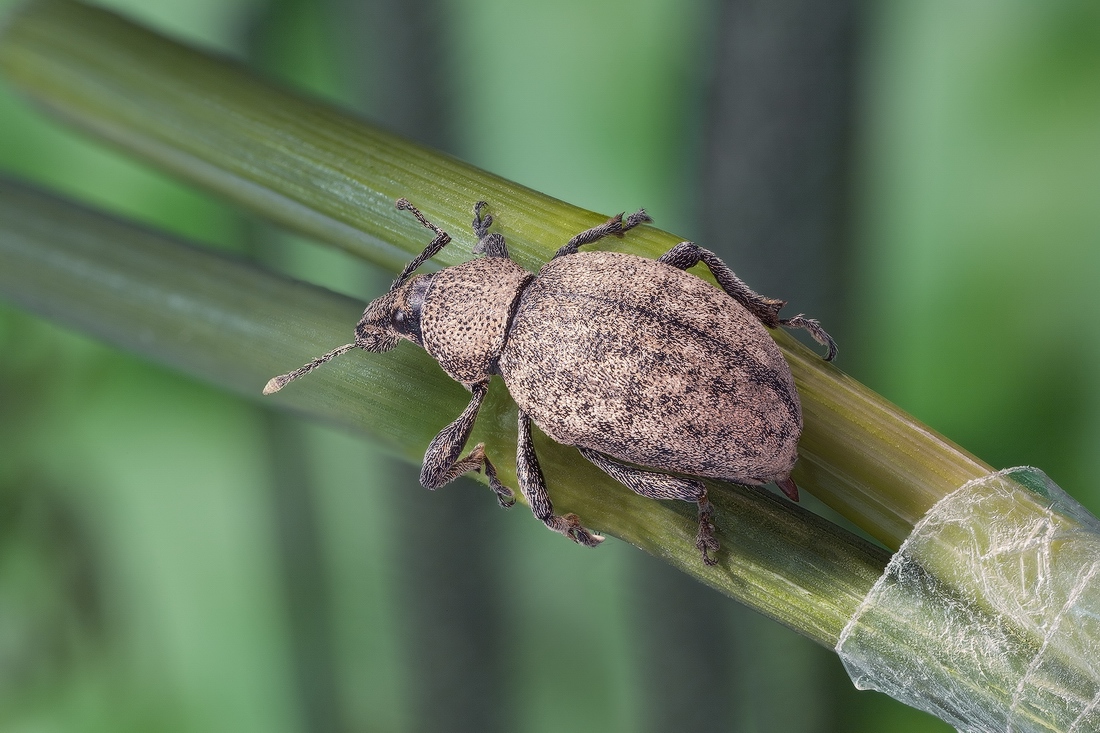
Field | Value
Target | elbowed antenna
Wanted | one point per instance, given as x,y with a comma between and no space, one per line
442,239
279,382
371,334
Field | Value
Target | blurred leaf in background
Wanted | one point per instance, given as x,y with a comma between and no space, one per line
923,176
166,477
981,250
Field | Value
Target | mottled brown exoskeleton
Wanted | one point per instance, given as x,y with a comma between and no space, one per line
634,361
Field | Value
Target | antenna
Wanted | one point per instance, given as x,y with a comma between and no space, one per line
279,382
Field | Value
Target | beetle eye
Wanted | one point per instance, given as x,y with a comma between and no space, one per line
405,313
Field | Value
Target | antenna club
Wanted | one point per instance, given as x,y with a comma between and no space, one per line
273,386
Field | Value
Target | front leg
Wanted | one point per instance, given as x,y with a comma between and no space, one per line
441,460
533,486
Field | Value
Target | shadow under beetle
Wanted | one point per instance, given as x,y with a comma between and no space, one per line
631,360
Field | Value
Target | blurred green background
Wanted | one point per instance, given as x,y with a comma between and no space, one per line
924,176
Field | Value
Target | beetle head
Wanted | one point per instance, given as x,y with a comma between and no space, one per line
393,316
373,332
387,319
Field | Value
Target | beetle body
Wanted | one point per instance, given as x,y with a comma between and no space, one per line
651,365
642,366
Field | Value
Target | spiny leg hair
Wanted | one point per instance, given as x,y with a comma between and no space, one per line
441,461
662,486
533,486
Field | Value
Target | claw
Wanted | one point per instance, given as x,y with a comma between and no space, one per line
705,541
705,547
505,496
572,528
813,327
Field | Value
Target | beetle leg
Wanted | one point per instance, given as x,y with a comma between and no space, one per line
615,226
490,245
688,254
655,485
813,326
481,223
441,461
533,486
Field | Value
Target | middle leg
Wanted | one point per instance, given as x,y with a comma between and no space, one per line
615,226
533,486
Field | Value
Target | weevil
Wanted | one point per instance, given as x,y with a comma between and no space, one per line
635,362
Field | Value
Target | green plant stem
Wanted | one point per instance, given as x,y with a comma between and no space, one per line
230,322
320,171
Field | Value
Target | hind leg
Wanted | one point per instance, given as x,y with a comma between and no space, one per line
688,254
662,486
